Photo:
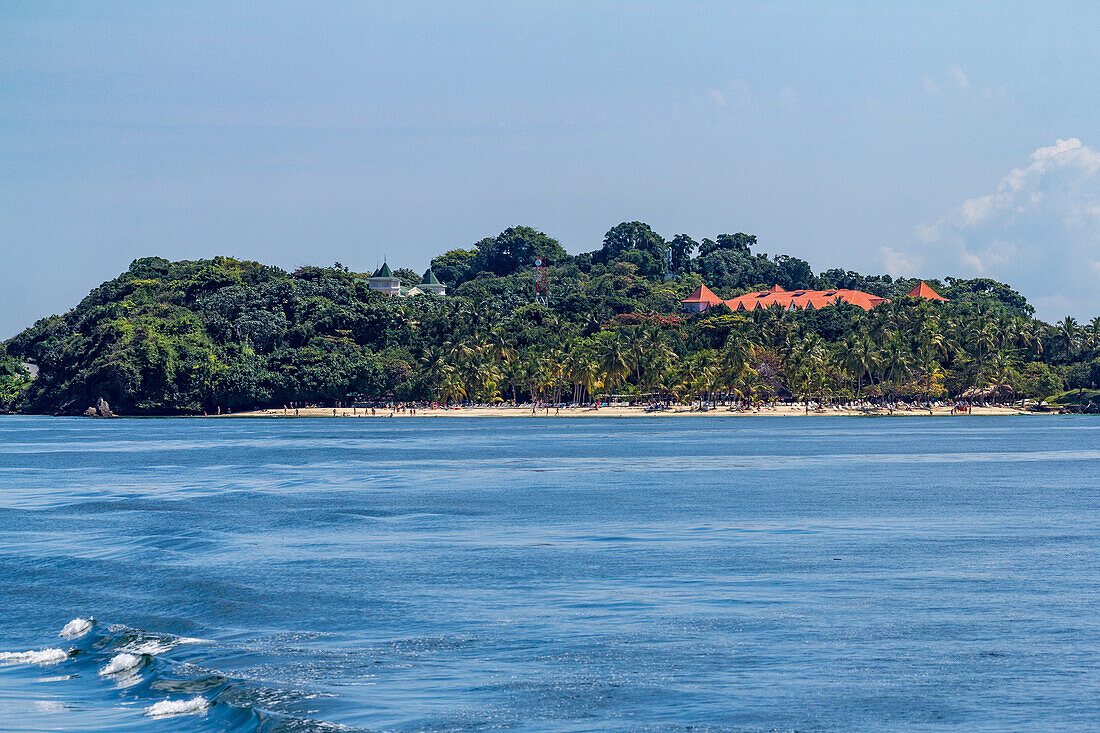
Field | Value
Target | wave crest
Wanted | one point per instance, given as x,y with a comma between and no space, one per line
123,663
43,656
77,627
166,708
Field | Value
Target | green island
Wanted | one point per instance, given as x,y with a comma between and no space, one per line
192,337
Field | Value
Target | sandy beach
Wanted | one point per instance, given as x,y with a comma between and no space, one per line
618,411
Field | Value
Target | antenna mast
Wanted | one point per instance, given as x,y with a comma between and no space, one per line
542,282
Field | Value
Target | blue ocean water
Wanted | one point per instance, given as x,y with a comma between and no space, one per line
550,574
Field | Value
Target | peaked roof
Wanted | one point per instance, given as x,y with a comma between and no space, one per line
924,291
430,279
384,271
702,294
803,299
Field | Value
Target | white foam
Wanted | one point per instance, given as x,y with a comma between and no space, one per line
164,708
121,663
44,656
190,640
77,627
50,706
59,678
149,646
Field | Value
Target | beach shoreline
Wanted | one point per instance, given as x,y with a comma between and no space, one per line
617,411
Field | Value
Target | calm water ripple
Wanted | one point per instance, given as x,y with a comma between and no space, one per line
568,575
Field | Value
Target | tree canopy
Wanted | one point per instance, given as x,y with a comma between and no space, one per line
191,336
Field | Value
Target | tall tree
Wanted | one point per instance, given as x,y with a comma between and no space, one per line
739,242
516,248
1066,333
455,267
636,236
681,248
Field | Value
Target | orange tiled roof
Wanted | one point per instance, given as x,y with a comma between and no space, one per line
702,294
926,292
803,299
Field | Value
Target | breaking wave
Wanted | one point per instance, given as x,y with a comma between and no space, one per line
124,663
44,656
153,683
166,708
76,628
149,646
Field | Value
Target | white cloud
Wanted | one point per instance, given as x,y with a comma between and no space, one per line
953,79
899,264
972,262
956,75
741,93
738,93
976,210
1054,304
1039,231
927,232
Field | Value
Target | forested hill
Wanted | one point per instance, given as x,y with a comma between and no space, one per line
183,337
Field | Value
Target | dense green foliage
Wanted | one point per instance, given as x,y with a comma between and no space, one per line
14,380
168,337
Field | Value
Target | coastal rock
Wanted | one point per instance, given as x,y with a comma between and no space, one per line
101,409
91,412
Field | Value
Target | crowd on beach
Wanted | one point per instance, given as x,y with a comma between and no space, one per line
624,408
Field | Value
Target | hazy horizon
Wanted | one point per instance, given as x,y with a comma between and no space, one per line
922,140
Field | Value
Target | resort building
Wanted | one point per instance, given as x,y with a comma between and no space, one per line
802,299
925,291
432,285
700,300
777,297
383,281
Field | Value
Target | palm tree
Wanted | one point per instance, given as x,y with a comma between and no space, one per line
896,359
1066,333
1001,364
612,358
1092,334
656,363
983,335
633,341
512,375
701,374
812,360
497,343
933,344
845,359
435,365
736,361
590,377
452,389
860,357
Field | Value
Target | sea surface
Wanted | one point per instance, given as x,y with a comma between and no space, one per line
756,574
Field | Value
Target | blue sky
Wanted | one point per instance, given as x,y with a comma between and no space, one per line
919,138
